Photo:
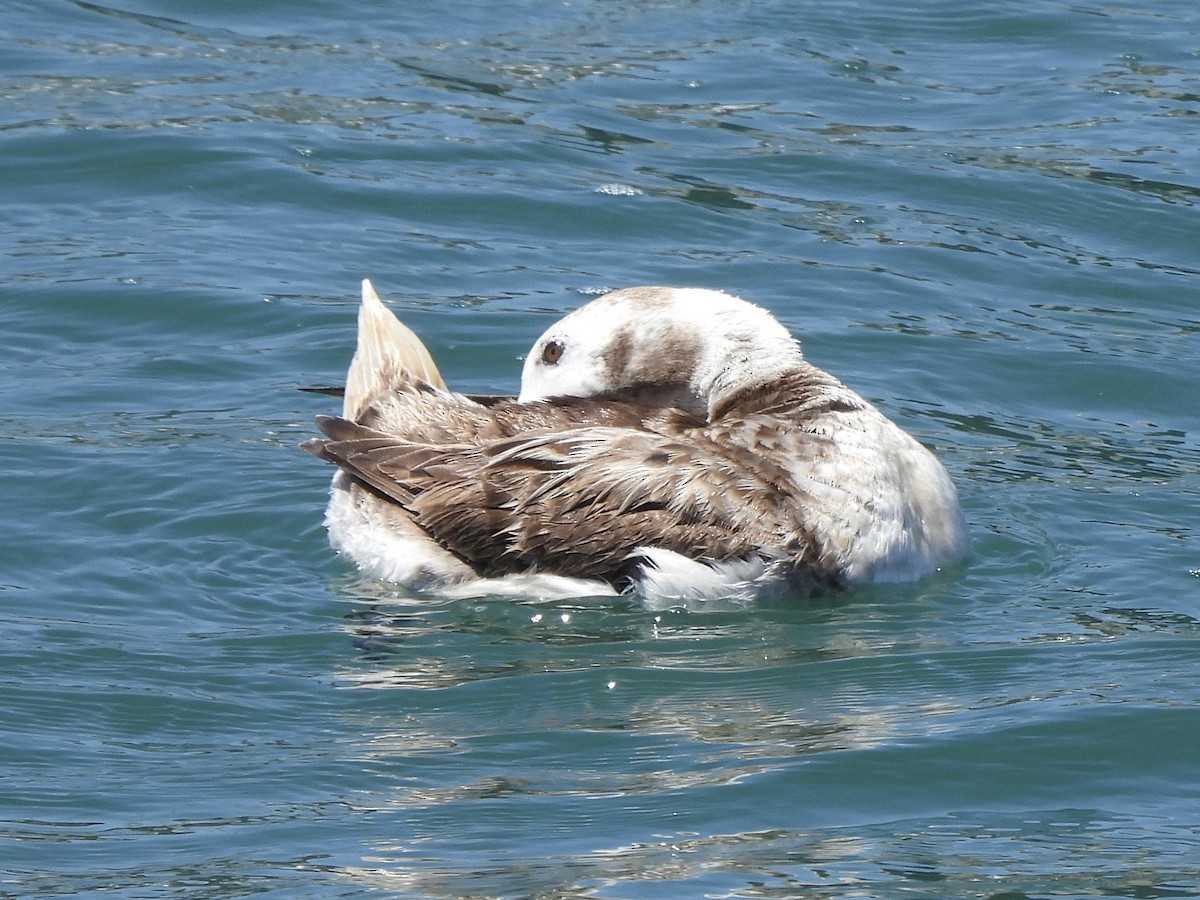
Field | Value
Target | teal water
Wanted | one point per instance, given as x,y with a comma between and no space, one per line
982,216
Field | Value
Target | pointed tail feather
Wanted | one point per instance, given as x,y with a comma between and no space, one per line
385,347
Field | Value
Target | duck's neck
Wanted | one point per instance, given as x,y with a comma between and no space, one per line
737,363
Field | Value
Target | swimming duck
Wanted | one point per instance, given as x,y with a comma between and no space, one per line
672,442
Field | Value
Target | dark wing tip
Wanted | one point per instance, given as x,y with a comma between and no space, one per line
315,446
337,428
331,391
489,400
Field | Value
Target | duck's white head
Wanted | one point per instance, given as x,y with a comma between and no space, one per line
682,347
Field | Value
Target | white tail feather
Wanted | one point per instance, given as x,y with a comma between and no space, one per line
386,347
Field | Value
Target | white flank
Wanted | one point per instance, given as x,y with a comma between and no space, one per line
670,578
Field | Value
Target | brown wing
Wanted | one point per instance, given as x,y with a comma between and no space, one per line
578,500
417,412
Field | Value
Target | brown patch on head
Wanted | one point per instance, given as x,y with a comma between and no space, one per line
654,365
650,347
619,351
669,357
637,306
664,353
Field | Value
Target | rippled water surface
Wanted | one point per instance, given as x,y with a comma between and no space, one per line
981,216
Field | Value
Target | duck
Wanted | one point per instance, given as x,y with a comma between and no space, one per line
668,442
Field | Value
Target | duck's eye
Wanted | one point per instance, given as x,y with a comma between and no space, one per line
552,352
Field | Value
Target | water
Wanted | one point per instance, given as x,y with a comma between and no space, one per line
981,216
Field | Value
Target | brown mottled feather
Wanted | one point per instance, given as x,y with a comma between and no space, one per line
516,487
